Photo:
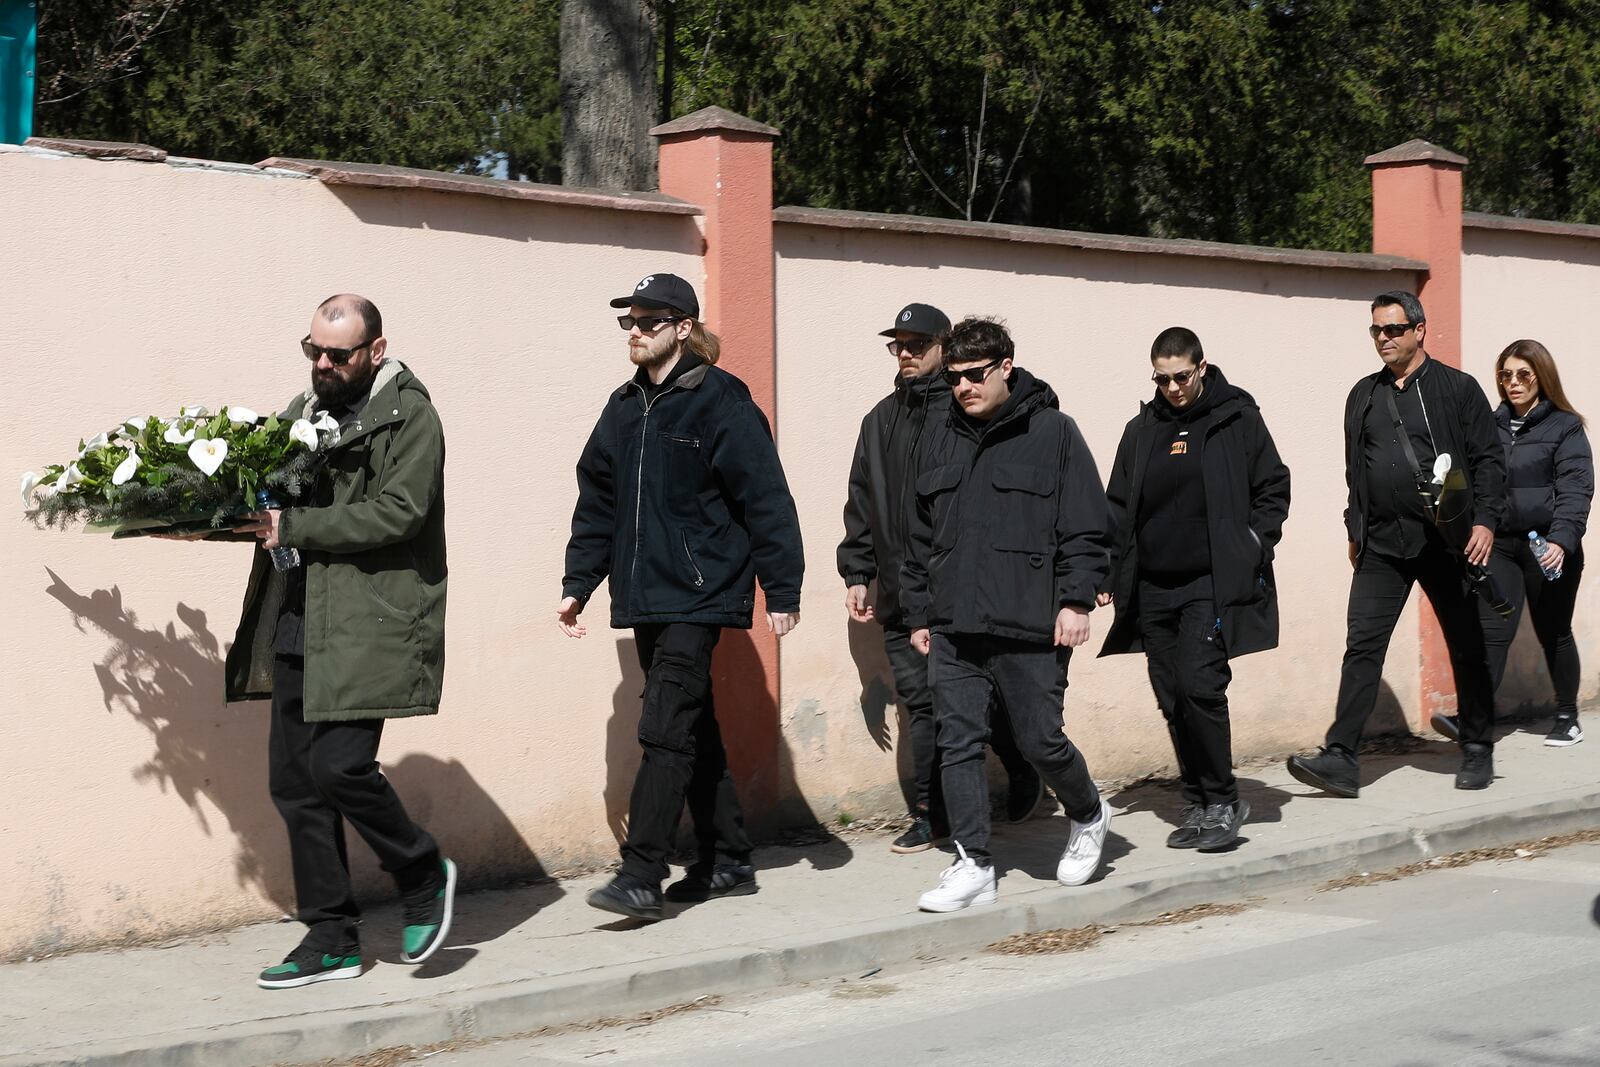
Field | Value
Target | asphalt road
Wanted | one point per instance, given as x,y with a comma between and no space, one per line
1493,964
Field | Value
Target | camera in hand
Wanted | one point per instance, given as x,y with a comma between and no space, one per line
1485,585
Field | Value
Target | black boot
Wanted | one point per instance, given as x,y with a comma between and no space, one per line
1477,767
1333,770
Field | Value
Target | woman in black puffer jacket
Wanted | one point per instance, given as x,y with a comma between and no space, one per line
1549,482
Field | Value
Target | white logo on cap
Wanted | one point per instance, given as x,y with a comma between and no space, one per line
905,316
644,284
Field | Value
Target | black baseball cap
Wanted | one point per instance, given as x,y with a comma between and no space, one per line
662,291
919,318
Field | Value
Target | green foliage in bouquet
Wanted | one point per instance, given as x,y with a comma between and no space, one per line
191,470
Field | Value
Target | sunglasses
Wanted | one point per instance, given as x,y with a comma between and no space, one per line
914,347
646,323
1391,330
1521,374
975,375
337,356
1181,377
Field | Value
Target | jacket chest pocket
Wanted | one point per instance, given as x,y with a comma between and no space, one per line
683,473
1025,507
937,498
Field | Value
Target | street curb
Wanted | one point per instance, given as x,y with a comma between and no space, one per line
520,1007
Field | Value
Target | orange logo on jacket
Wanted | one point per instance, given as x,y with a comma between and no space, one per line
1179,448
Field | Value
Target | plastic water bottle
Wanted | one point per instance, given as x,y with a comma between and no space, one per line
283,559
1539,546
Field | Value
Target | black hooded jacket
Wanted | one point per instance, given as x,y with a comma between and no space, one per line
682,502
877,512
1246,502
1549,475
1010,524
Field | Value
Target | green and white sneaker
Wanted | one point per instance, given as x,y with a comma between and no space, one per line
427,916
308,964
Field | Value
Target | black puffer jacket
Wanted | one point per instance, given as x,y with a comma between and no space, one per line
877,511
1247,501
683,503
1549,475
1010,524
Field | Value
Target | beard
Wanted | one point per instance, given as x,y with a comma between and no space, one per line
335,392
651,354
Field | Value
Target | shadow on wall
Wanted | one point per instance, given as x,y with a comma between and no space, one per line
170,681
878,699
775,810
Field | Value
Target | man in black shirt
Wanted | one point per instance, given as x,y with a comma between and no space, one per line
1398,423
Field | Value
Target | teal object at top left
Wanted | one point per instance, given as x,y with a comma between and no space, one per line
18,31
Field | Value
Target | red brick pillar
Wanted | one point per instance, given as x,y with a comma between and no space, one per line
1416,212
723,163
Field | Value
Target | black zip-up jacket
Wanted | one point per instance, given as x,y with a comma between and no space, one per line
1247,500
683,504
1462,425
1010,524
1549,476
877,512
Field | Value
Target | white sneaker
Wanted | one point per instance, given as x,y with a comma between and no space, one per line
961,885
1085,842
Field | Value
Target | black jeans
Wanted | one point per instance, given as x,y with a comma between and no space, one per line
1026,683
1549,603
912,686
1189,672
683,757
321,775
1378,593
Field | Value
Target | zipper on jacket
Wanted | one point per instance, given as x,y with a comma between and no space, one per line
638,490
699,579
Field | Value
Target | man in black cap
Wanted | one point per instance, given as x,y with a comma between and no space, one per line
682,504
875,540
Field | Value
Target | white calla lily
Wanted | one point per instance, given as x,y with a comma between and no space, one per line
193,411
99,440
208,454
138,422
240,415
125,469
69,478
326,422
305,433
177,436
30,482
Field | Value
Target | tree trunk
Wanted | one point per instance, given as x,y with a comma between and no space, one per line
608,94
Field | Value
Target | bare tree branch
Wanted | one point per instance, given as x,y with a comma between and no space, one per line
1000,193
96,53
905,135
977,147
705,54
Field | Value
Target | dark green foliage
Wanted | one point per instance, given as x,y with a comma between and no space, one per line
1234,121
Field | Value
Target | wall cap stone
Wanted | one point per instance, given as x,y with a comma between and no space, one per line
381,176
1477,220
142,153
1415,151
995,231
714,118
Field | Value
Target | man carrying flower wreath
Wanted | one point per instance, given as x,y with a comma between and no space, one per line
351,635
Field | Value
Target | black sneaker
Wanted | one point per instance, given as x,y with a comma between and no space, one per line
627,896
427,915
1023,794
1187,835
1477,767
1219,827
917,838
1565,732
1333,770
308,964
722,880
1448,725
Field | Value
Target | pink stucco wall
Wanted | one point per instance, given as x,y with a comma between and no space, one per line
1518,284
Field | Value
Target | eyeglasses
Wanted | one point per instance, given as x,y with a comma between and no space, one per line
1391,330
1181,377
1521,374
337,356
975,375
646,323
915,347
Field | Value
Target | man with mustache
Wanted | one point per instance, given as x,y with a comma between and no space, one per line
682,505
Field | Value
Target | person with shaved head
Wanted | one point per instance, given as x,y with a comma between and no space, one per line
348,634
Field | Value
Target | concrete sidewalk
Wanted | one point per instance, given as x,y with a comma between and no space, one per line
522,959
